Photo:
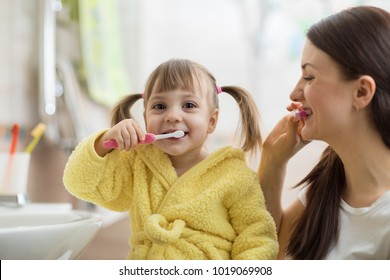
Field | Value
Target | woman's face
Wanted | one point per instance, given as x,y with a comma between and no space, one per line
325,94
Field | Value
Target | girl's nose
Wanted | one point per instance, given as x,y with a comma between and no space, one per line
173,115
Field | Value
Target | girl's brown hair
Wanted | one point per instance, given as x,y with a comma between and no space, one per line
358,39
188,75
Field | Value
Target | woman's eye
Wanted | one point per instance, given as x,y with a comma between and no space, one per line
189,105
159,106
308,78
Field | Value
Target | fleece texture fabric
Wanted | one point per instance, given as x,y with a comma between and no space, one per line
215,210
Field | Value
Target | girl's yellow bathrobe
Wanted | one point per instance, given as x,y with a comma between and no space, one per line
215,210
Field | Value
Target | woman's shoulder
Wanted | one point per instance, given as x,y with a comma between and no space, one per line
381,205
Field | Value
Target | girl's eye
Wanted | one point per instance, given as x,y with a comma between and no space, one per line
189,105
308,78
159,106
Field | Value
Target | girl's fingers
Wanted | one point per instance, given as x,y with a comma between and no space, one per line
126,133
133,134
131,139
125,139
140,133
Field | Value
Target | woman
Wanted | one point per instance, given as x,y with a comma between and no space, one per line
343,210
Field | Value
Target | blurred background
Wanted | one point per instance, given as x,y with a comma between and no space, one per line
66,63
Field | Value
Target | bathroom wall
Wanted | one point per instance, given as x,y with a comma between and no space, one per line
19,95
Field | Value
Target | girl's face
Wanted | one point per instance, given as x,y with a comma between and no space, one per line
181,110
325,94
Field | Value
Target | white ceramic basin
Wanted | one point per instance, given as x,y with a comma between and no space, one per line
43,233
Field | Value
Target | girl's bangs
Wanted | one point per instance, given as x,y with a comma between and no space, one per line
173,78
176,74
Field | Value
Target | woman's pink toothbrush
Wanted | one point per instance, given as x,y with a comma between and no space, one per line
299,114
149,138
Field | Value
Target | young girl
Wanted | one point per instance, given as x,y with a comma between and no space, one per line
183,202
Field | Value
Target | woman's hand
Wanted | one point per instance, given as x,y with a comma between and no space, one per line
285,140
126,133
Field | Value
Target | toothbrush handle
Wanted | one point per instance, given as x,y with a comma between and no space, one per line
112,144
15,135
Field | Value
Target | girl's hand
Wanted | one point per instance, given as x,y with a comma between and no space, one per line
126,133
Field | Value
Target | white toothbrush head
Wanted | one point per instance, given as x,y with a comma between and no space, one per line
178,134
175,134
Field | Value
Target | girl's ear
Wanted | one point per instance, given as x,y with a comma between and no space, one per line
365,92
213,121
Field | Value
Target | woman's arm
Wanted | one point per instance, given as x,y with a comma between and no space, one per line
282,143
271,175
290,216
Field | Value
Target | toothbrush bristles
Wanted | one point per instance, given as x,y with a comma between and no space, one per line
178,133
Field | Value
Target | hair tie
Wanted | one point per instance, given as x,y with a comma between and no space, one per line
219,89
143,95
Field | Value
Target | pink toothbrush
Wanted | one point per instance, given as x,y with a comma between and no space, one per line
299,114
149,138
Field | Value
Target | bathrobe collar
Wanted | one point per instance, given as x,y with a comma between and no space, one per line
161,165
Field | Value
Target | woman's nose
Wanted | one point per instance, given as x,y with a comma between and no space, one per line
297,93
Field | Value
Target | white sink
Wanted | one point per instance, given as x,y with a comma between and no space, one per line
44,232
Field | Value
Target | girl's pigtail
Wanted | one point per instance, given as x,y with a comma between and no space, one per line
122,110
250,118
